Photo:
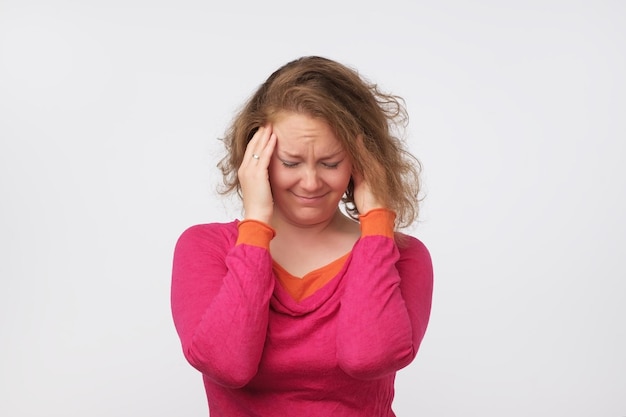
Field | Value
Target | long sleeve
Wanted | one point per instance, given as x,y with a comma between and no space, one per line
220,302
386,304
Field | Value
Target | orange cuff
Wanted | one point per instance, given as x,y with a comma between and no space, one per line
255,233
378,222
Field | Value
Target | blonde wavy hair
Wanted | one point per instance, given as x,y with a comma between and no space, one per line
365,120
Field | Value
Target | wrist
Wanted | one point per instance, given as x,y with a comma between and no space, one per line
255,233
263,216
378,221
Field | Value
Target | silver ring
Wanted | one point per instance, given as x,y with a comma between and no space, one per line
255,156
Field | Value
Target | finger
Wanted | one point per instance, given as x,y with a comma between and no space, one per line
357,178
268,150
264,146
257,144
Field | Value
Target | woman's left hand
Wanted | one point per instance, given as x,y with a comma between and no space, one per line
364,198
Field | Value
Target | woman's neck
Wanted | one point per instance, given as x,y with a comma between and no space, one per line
300,250
338,223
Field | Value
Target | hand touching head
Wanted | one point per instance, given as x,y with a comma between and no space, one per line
365,120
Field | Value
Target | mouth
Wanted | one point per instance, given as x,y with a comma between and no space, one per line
306,199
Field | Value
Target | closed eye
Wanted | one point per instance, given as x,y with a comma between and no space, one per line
289,164
328,165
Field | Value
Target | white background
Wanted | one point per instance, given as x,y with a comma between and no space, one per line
109,117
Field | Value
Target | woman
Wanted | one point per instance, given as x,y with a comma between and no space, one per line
310,304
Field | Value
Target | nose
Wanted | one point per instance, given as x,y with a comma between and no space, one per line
310,180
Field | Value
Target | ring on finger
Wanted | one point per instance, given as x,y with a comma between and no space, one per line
255,156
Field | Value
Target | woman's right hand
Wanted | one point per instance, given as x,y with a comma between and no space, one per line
254,176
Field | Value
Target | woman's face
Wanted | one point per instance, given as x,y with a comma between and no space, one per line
309,171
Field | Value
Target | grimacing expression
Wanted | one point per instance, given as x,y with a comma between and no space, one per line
309,170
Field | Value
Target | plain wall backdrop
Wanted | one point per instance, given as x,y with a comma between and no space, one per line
110,114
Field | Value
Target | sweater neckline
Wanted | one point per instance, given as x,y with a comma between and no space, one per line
283,302
302,287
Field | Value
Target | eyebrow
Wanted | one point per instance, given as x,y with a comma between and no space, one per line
293,155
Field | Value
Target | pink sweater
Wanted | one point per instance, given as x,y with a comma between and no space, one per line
262,353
